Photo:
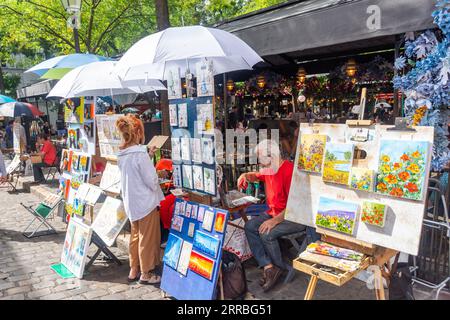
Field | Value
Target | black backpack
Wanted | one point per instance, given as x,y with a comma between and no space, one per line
400,287
233,274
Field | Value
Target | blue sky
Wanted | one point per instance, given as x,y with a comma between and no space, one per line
395,148
326,204
338,149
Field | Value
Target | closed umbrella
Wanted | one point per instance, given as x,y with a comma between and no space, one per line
5,99
17,109
97,79
184,46
56,68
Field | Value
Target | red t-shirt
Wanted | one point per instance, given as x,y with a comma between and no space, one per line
49,151
277,187
166,210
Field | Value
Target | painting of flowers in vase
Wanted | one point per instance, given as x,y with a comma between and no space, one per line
311,152
373,213
337,163
336,215
361,179
402,168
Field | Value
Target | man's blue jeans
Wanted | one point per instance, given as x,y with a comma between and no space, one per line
265,247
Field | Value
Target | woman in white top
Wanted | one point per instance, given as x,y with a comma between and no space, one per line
141,196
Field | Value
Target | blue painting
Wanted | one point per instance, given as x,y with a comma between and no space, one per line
206,243
336,215
173,249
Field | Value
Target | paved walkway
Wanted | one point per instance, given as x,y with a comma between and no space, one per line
25,268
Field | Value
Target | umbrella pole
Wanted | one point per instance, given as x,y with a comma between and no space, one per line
225,113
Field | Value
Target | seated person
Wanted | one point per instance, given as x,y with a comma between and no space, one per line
264,230
3,173
48,155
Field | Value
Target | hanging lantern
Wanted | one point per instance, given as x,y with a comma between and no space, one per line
230,85
261,81
301,75
351,68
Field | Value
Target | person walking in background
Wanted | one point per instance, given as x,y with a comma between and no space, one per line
3,173
48,155
9,134
19,135
141,196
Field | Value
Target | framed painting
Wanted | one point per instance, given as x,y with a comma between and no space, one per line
219,224
185,255
76,244
373,213
172,252
186,149
177,176
361,179
173,83
188,182
176,149
311,153
182,115
177,223
402,168
201,265
337,215
337,162
197,172
196,150
173,115
205,78
209,180
206,243
208,219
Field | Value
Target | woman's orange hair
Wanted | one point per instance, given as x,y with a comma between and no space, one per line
132,130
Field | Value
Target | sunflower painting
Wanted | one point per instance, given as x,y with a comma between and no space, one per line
311,151
402,168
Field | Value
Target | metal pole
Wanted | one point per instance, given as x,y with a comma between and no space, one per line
398,43
77,40
225,116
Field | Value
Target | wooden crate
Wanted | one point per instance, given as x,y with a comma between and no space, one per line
200,198
336,276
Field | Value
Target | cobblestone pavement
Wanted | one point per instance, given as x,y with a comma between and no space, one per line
25,268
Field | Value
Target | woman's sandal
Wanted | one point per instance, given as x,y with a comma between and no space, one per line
154,279
138,276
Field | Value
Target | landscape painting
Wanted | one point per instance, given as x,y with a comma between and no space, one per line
173,249
361,179
373,213
312,147
337,163
219,225
402,168
206,243
336,215
201,265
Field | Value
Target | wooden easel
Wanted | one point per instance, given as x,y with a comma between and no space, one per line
375,256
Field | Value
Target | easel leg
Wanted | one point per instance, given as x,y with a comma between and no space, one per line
311,288
222,296
379,287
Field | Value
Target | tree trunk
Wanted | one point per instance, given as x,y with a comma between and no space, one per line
2,81
162,21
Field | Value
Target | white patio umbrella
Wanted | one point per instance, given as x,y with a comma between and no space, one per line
184,46
97,79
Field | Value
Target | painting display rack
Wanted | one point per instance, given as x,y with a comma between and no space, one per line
376,259
101,247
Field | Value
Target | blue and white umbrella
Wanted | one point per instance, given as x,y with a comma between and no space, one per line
5,99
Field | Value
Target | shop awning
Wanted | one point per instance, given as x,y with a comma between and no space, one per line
301,28
37,89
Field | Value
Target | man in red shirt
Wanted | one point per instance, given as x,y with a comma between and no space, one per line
264,230
48,154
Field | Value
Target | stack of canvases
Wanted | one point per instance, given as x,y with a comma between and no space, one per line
401,173
193,251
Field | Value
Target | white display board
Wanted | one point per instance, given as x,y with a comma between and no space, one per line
76,244
403,223
110,220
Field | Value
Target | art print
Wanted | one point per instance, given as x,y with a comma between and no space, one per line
187,211
219,224
177,176
201,213
197,172
185,255
205,118
111,178
187,177
311,152
191,229
402,168
172,252
338,162
201,265
206,244
209,180
194,211
76,244
182,115
174,83
205,78
176,149
208,220
208,151
196,150
66,160
185,149
173,115
110,220
73,135
177,223
74,110
337,215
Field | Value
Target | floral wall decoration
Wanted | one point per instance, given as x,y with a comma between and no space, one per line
424,72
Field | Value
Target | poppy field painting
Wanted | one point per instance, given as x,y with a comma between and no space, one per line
373,213
402,168
336,215
312,147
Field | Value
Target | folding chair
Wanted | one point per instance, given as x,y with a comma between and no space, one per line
42,213
13,172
